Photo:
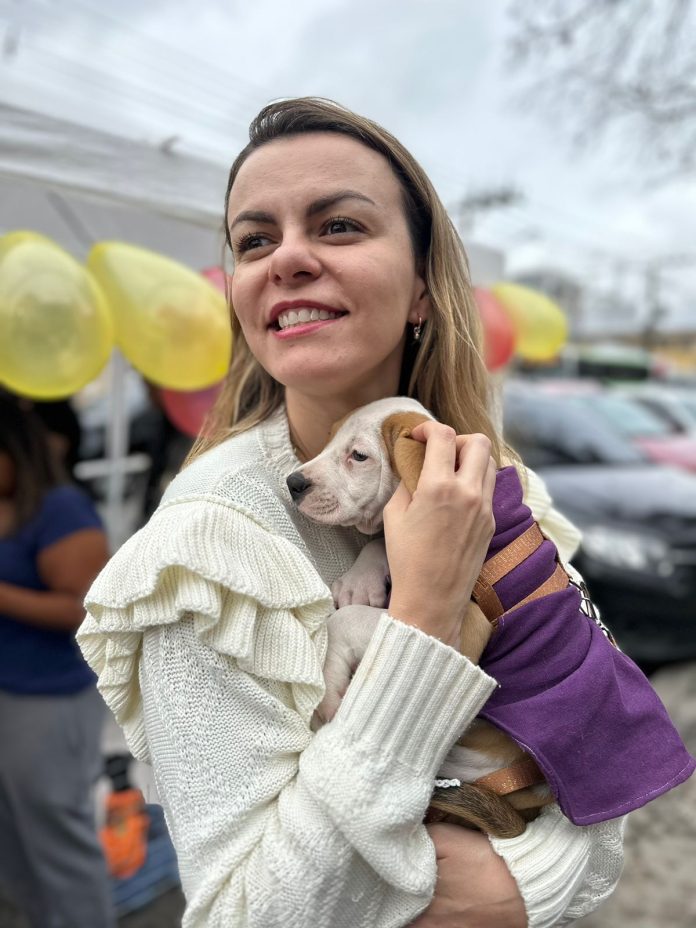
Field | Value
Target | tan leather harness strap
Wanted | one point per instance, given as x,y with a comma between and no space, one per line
487,600
522,773
511,555
498,566
557,581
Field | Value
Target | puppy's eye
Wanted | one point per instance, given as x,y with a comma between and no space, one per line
358,456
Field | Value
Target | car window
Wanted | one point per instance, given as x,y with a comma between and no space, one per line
552,430
689,404
664,410
629,418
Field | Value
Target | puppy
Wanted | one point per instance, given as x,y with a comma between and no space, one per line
349,484
571,704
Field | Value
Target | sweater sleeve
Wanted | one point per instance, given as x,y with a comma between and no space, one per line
563,871
212,663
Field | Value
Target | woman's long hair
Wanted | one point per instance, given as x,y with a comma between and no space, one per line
23,438
445,371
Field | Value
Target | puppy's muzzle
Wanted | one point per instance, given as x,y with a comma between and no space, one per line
298,485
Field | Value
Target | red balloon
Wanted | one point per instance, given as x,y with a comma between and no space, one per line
216,276
187,410
498,331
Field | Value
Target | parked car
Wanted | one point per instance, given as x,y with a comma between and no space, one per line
675,406
653,438
638,519
645,429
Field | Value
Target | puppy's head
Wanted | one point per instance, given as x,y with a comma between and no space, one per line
368,453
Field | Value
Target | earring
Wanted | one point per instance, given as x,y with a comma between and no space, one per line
417,330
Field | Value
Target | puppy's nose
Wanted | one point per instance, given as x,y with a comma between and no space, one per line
298,485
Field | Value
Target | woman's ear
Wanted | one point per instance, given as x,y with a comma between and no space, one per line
420,310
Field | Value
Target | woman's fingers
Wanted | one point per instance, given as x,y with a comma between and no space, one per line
437,540
440,449
473,457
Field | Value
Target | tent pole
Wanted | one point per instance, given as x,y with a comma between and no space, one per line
116,452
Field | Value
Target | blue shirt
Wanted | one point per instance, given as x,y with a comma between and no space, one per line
37,660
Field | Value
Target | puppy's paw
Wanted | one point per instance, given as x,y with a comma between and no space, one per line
350,630
367,581
370,590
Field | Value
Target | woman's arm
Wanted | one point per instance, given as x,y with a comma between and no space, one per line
562,871
276,827
67,568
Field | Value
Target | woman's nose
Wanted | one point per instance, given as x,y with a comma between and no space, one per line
293,260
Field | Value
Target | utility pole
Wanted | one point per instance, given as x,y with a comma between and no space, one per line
656,310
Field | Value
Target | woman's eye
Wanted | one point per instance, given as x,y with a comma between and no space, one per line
250,241
340,225
358,456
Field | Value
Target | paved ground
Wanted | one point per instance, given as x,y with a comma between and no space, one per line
657,889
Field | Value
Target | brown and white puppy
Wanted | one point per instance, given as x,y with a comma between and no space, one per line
349,483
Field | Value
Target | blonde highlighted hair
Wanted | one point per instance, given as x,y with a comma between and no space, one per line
445,370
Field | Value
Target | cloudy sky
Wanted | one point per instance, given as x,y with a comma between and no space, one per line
434,72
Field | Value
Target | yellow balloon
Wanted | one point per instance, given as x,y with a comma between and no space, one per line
540,324
56,333
171,324
23,235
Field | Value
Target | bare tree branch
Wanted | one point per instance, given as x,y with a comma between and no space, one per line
624,68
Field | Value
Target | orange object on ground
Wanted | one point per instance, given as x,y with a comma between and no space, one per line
124,836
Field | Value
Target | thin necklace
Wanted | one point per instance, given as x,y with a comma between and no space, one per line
300,452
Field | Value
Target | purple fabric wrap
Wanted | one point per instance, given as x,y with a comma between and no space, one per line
583,709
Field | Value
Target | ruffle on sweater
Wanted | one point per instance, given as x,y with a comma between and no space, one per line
254,597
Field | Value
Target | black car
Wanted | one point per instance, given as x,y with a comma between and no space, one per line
638,519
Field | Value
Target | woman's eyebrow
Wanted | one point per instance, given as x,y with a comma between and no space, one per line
252,215
317,206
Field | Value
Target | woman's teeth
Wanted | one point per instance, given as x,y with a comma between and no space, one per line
290,318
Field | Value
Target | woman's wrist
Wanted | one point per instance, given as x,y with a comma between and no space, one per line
429,619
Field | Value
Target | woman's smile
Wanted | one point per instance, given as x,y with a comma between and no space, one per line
298,317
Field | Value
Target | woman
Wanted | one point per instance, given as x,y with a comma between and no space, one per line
52,546
208,628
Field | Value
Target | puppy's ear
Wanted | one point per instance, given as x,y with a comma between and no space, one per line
406,455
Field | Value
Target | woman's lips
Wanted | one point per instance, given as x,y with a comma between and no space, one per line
303,328
304,314
296,308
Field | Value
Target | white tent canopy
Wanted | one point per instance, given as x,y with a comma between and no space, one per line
78,186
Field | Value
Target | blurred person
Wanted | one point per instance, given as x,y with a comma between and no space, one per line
208,628
52,545
63,431
166,446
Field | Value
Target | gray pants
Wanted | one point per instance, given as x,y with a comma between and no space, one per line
51,863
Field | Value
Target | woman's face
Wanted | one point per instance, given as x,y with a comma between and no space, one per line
325,278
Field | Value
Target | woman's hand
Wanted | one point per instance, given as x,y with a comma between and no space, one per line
474,886
437,540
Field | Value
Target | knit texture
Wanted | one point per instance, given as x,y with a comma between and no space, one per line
207,632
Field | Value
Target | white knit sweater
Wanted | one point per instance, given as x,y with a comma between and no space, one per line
207,632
